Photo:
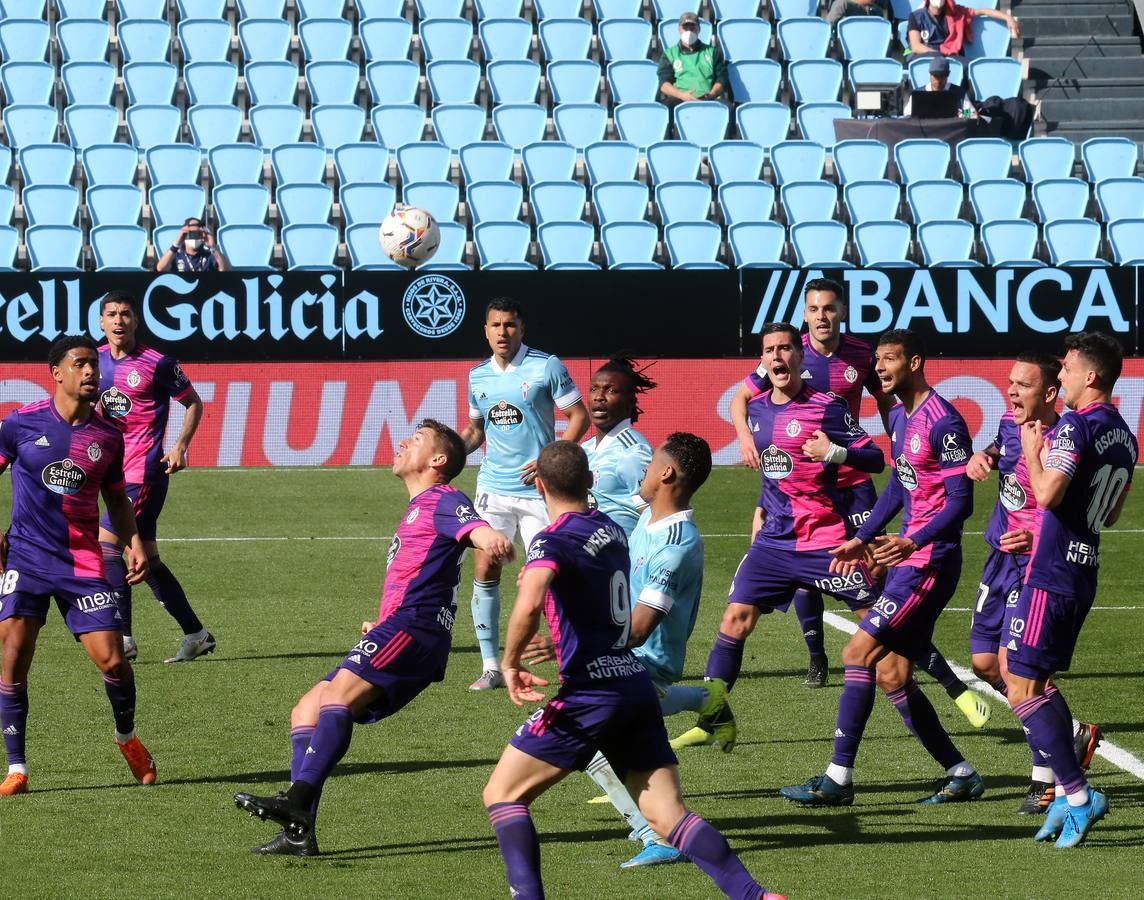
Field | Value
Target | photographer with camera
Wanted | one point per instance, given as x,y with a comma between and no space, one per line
194,250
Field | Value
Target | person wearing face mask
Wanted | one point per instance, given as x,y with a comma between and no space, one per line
942,26
194,250
691,70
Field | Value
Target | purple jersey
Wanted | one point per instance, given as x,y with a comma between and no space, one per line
587,607
1016,506
135,393
1096,449
423,565
58,471
798,495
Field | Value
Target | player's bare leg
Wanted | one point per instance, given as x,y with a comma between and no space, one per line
18,636
486,608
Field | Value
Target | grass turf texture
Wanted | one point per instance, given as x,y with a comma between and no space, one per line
402,815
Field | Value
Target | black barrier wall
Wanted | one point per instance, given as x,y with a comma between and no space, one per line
691,314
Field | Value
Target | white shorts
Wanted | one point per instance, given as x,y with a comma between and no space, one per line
508,515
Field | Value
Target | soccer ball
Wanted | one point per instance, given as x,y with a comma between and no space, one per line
409,235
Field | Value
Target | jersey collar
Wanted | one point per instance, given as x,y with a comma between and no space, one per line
514,363
684,515
611,436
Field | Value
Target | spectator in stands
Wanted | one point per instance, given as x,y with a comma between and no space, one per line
939,81
839,9
692,70
942,26
194,250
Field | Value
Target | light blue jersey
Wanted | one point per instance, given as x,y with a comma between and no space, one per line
667,574
517,405
618,461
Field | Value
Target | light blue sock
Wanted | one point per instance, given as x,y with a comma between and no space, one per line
678,698
486,621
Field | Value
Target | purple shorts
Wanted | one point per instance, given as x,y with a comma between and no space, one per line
147,501
904,615
854,504
87,604
1042,631
399,660
767,577
622,721
996,597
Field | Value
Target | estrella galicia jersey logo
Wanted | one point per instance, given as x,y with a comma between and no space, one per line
433,306
593,503
64,477
907,474
1013,496
394,547
505,416
116,404
776,463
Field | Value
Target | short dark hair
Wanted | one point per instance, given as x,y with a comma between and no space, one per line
563,467
825,284
123,297
1049,365
447,441
907,339
639,382
692,457
1102,352
781,327
62,346
189,219
504,304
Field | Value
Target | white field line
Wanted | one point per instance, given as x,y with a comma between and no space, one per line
387,537
1118,756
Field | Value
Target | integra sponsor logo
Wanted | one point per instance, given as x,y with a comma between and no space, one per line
1013,496
64,477
951,450
505,416
776,463
116,404
907,474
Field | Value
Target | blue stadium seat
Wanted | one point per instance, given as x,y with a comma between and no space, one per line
83,40
946,243
871,201
505,39
816,121
783,9
641,124
519,124
995,78
54,247
746,201
765,124
1120,198
332,81
9,243
141,9
366,202
210,82
549,161
310,246
815,80
5,163
367,161
1073,242
673,161
797,161
616,9
110,164
757,244
147,125
274,124
668,32
921,159
395,124
918,69
486,161
214,124
819,244
619,201
236,164
610,161
34,82
630,245
24,9
997,198
445,38
513,80
497,9
263,9
734,9
47,164
1126,237
984,159
385,39
365,249
557,201
673,9
1060,198
682,201
494,201
754,80
304,204
573,81
702,122
1009,242
938,198
24,40
1109,157
202,9
990,39
271,81
50,204
325,39
457,124
624,39
744,39
248,247
298,164
502,245
566,245
7,204
240,204
336,124
633,81
436,9
146,82
319,9
883,243
27,123
693,245
453,80
172,204
860,160
803,38
265,39
440,198
565,38
204,40
173,164
580,124
868,73
424,161
144,40
114,204
1047,157
393,81
87,125
863,37
735,161
808,201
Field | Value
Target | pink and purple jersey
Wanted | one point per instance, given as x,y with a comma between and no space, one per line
1096,449
58,471
136,391
423,566
587,608
1016,505
799,496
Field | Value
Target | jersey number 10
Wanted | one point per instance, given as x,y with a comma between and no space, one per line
1106,487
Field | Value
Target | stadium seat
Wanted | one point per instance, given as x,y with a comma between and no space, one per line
87,125
271,82
486,161
863,37
29,9
624,39
211,125
557,201
202,9
263,9
946,242
641,124
673,9
1060,198
744,39
997,198
151,83
573,81
396,124
735,161
1109,157
7,204
754,80
918,70
803,38
172,204
435,9
118,248
505,39
147,125
367,161
1120,198
336,124
393,81
746,201
267,39
366,202
248,247
26,124
110,164
566,245
816,121
453,80
673,161
24,40
797,161
616,9
995,77
1126,237
619,201
783,9
34,83
365,249
870,73
1073,242
610,161
304,204
204,40
274,124
325,39
210,82
883,243
734,9
668,32
551,161
1009,242
693,245
630,245
580,124
457,124
513,80
385,39
440,198
815,80
871,201
332,81
757,244
860,160
494,201
445,38
5,163
47,164
114,204
981,159
765,124
1047,157
54,247
819,244
633,81
557,9
298,164
450,255
990,39
240,204
9,243
938,198
424,161
141,9
682,201
173,164
144,40
310,246
921,159
808,201
701,122
83,40
566,38
237,164
50,204
502,245
519,124
319,9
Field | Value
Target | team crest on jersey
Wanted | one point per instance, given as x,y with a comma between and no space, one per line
505,416
524,391
793,428
115,403
851,374
133,379
94,452
413,514
915,443
907,474
1013,496
391,554
775,463
64,477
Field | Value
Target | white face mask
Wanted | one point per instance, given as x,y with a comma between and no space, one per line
937,5
687,38
192,246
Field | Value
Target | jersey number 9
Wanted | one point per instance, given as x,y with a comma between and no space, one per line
621,607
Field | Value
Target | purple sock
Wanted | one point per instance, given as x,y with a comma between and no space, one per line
520,848
121,693
725,659
700,842
170,593
1051,738
14,719
922,721
808,607
115,571
299,741
329,743
934,663
1064,714
854,708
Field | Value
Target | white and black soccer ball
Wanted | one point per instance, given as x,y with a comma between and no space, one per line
409,235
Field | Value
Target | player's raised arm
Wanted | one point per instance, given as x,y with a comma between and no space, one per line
175,459
522,625
489,540
982,463
1049,482
748,453
842,441
577,416
474,433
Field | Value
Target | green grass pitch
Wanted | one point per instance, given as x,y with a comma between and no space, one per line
283,565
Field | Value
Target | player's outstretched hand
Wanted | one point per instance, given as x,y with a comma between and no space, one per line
979,466
539,650
528,472
1020,540
175,460
817,446
748,452
136,563
845,557
366,627
522,686
890,550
